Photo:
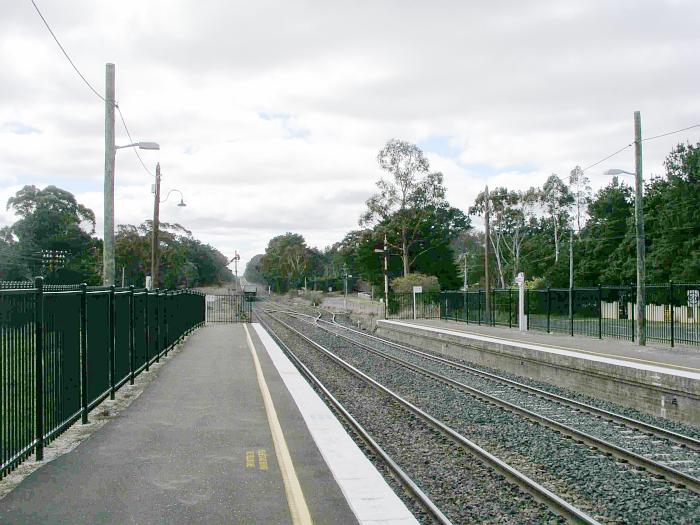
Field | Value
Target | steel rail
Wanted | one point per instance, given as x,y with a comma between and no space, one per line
403,478
537,491
676,437
632,457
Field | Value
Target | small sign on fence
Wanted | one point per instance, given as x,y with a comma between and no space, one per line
417,289
693,298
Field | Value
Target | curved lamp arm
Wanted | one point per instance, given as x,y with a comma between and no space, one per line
182,198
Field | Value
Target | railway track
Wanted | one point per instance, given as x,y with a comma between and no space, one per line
663,452
669,456
529,486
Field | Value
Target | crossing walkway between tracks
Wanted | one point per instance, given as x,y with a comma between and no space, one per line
217,437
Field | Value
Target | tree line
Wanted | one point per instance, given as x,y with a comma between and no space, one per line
54,236
537,231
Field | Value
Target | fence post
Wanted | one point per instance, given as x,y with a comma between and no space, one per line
165,321
527,309
83,355
478,304
39,366
147,328
493,306
634,307
573,306
157,325
549,306
112,320
670,302
510,307
132,335
600,312
466,305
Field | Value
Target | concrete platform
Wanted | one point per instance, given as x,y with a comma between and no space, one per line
660,381
200,446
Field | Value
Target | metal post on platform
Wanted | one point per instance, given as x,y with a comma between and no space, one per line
510,308
147,328
521,302
600,312
83,355
549,307
157,338
132,335
478,305
670,305
39,366
112,381
571,310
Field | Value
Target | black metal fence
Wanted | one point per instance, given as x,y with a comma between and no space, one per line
672,311
400,306
62,351
232,308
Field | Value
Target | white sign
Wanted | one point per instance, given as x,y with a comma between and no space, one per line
520,279
417,289
693,297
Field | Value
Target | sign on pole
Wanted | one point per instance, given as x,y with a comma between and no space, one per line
416,289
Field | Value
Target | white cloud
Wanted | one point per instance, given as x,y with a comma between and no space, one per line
518,89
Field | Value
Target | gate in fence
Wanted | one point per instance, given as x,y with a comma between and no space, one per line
232,308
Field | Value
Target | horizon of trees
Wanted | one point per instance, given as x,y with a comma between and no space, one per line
532,231
54,236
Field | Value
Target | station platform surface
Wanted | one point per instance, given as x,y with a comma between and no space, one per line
679,360
202,445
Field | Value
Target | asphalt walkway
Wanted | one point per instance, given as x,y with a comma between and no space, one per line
195,447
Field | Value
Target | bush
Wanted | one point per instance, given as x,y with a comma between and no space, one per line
405,284
315,298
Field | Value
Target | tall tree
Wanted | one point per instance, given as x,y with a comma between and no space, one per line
404,201
557,200
51,220
580,189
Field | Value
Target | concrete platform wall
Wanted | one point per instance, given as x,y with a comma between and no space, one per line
669,396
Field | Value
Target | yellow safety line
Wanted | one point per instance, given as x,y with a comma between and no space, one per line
295,496
580,351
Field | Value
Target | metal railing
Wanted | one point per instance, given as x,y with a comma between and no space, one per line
63,351
400,305
672,311
231,308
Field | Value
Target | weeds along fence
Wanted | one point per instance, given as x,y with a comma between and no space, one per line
672,311
65,349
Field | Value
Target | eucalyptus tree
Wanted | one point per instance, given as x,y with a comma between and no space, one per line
557,201
406,199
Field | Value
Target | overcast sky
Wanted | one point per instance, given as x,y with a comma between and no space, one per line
270,114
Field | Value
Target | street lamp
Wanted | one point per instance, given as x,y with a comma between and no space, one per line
639,222
108,265
156,222
141,145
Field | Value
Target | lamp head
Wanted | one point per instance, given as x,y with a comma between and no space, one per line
149,145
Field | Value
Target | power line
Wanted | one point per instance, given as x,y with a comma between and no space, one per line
131,141
608,157
671,132
65,53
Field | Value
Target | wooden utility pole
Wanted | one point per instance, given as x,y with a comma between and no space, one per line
639,220
154,234
108,269
487,237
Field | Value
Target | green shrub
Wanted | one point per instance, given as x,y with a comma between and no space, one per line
405,284
314,297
